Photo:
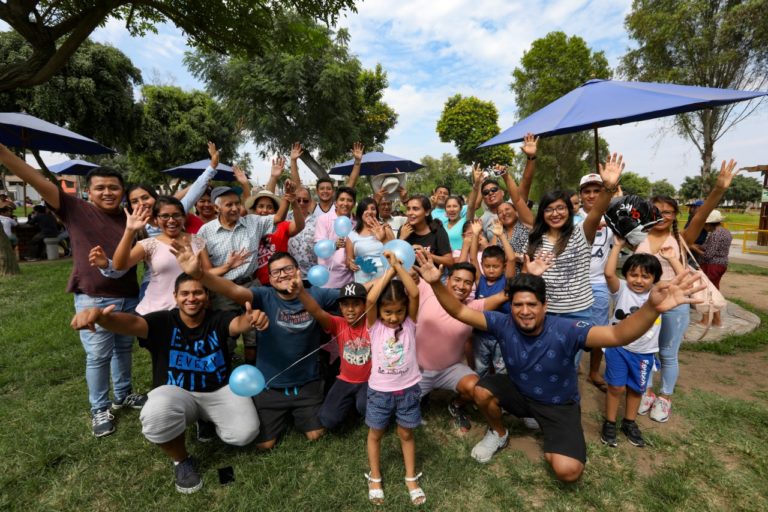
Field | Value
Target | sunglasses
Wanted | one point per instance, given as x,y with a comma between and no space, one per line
300,200
491,190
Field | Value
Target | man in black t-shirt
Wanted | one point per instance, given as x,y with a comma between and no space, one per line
190,371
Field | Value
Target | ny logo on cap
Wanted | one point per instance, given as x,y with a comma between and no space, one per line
349,289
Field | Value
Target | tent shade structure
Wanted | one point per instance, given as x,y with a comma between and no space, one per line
374,163
24,131
192,170
600,103
73,167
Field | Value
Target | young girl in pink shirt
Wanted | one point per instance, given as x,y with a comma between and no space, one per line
393,388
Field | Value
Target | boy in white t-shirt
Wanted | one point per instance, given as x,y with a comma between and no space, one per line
629,368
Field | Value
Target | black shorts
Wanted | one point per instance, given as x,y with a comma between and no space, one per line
560,424
275,405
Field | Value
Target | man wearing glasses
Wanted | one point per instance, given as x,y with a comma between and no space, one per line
293,391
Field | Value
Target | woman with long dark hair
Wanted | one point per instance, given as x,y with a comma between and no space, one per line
365,244
675,321
424,232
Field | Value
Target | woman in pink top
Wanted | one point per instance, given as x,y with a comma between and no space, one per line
336,264
675,321
393,388
168,213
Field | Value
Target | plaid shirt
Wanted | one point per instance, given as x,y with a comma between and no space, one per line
246,234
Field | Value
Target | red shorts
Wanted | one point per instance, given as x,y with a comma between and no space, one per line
714,272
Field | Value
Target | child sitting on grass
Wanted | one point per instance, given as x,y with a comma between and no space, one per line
629,368
394,384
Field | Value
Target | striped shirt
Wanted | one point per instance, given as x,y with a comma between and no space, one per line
568,288
246,234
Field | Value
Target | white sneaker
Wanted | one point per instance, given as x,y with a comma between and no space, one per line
531,424
661,410
646,403
489,445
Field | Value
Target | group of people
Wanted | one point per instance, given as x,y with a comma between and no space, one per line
497,310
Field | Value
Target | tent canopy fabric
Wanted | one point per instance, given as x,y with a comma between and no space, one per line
192,170
375,163
73,167
24,131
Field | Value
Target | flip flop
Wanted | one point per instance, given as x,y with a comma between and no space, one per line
602,386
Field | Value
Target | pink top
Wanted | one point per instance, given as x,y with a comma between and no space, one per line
165,269
667,273
440,337
336,264
393,357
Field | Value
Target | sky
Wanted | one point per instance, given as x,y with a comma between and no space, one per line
433,50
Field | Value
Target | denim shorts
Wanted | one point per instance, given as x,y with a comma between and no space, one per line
405,404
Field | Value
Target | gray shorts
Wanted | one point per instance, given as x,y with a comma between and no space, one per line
169,409
444,379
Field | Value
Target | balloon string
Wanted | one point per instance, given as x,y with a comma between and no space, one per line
318,349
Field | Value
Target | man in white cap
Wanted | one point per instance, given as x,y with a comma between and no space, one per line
590,187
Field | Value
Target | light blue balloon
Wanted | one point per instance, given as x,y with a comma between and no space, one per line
246,380
325,248
342,226
318,275
403,250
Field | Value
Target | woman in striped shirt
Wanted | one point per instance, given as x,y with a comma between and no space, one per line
569,293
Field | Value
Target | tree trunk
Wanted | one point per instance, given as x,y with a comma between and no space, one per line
9,266
707,151
313,165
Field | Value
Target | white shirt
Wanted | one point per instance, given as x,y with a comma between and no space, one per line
627,302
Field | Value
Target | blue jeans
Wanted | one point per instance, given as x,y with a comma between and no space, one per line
105,353
673,325
487,352
600,307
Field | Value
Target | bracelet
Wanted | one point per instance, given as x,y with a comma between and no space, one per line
532,158
611,190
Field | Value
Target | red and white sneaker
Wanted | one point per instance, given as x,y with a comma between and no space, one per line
646,402
661,410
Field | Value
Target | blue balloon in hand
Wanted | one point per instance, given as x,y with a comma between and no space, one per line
246,380
325,248
342,226
318,275
403,250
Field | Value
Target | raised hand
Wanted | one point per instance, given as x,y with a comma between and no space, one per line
357,151
214,154
477,227
726,175
289,189
611,171
392,259
187,259
497,229
477,175
237,258
97,257
406,230
378,196
240,175
402,192
296,151
540,264
90,317
278,165
257,318
295,285
426,267
668,253
138,219
668,295
529,146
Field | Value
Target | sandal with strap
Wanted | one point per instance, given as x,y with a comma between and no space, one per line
417,495
375,496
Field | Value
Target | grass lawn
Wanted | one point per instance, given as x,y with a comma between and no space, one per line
52,462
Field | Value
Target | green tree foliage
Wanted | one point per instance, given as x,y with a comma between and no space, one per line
634,184
709,43
468,122
91,95
552,67
663,188
743,190
321,97
691,187
446,170
175,128
53,30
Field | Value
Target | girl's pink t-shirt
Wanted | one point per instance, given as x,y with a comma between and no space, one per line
393,357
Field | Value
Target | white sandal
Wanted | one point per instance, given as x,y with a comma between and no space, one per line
375,496
417,495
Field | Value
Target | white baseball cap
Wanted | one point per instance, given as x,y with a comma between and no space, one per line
590,178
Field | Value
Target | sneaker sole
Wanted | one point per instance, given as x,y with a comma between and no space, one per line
117,407
634,443
104,434
189,490
608,443
662,420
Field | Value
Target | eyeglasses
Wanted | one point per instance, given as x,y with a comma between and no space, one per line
559,209
300,200
490,190
288,270
667,213
169,216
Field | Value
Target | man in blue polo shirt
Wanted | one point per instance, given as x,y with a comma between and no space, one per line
538,351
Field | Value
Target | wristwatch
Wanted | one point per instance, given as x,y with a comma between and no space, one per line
532,157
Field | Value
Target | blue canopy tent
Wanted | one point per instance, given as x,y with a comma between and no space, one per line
72,167
24,131
375,163
600,103
192,170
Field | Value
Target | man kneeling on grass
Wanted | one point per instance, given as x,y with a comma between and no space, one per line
538,351
191,364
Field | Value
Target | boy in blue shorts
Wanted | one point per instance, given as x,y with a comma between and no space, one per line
629,368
